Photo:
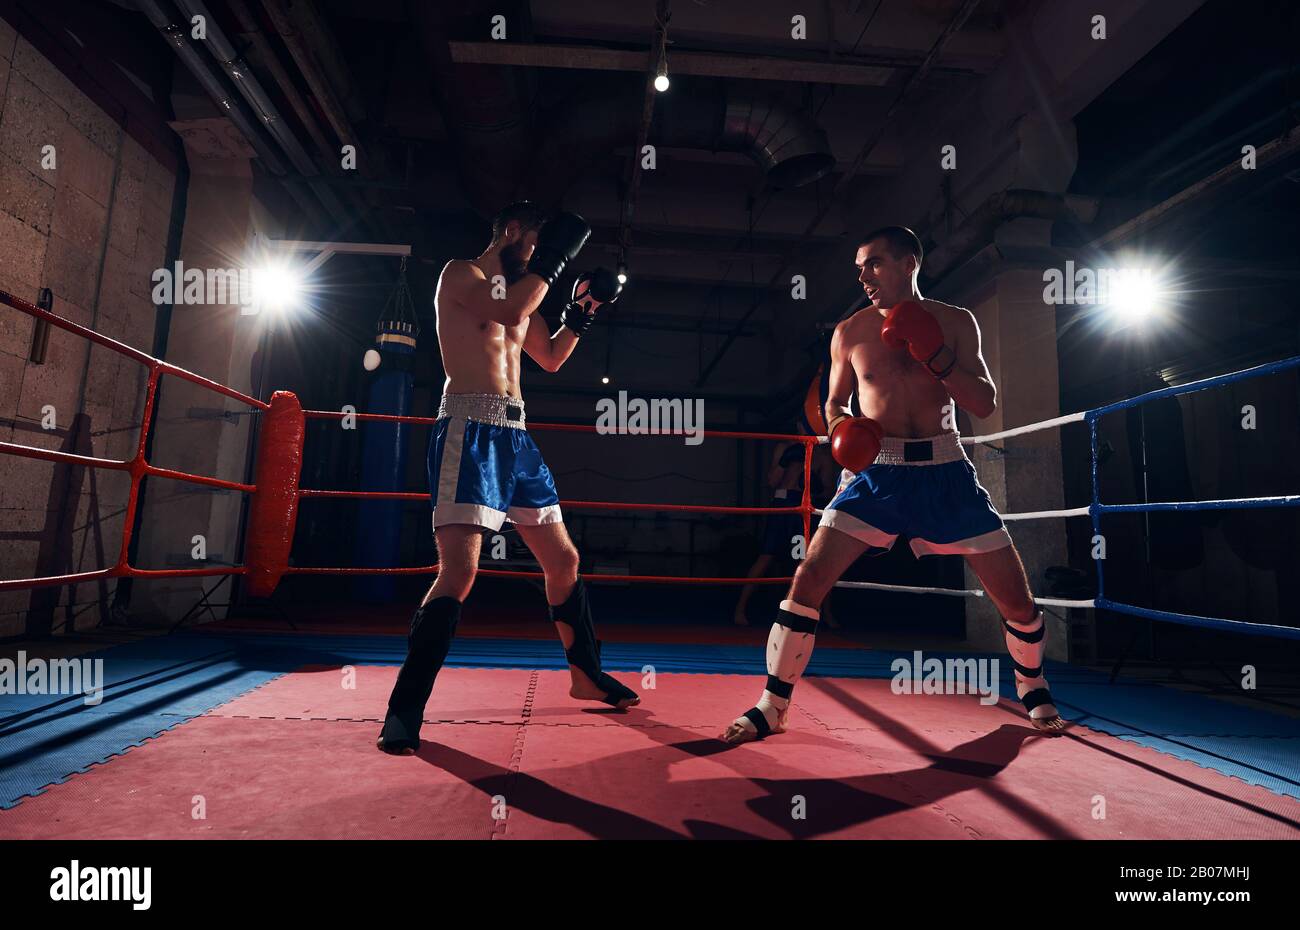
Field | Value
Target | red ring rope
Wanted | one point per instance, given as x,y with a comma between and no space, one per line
276,492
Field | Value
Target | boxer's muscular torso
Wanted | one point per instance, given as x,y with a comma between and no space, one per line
893,388
480,356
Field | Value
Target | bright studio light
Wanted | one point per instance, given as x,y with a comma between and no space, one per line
661,82
276,287
605,379
1135,296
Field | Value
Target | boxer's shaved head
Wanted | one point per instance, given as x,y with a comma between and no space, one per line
529,216
899,240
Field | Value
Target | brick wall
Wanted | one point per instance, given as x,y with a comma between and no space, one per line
91,224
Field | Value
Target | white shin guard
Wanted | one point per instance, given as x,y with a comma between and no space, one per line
789,647
1027,643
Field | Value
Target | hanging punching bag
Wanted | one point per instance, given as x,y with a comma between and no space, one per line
383,459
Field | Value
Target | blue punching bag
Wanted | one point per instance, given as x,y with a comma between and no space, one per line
383,459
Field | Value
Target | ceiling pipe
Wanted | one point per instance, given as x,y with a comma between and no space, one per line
299,44
252,32
175,36
300,29
231,107
246,82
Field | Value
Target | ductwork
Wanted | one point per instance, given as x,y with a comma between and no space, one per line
233,108
789,147
786,143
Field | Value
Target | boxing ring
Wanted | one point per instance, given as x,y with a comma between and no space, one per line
233,710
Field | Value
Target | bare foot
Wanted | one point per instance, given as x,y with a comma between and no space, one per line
1053,725
584,689
742,730
736,734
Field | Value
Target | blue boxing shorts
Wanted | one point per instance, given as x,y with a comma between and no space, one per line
924,489
484,468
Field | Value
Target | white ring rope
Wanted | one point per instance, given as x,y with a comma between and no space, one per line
1030,428
956,592
1047,514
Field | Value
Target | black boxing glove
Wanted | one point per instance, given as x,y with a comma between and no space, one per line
558,243
576,318
604,286
601,285
577,313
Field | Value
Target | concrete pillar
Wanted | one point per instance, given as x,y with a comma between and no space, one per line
197,430
1019,343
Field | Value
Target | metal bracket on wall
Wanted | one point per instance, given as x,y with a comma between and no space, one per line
41,333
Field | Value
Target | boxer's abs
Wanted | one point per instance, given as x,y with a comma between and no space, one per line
479,357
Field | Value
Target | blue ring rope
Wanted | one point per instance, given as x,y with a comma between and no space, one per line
1097,508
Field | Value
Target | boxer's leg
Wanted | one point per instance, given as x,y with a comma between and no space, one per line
432,629
571,614
790,641
555,553
1002,575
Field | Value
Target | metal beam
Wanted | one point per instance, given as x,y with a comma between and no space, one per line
680,61
687,229
668,323
1281,147
700,282
327,250
690,250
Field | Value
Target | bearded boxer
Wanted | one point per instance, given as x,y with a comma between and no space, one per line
909,359
484,467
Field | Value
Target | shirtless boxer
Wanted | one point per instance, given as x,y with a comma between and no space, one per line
907,358
484,468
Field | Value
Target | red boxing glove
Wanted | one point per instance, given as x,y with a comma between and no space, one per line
910,325
855,442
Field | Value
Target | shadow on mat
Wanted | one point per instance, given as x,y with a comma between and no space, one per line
833,803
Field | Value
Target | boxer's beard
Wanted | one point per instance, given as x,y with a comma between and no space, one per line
513,265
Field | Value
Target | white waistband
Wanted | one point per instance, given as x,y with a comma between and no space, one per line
930,450
493,409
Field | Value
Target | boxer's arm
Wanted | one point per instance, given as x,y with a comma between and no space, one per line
840,393
546,349
465,283
969,381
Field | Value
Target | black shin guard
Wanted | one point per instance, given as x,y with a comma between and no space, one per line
585,653
432,629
